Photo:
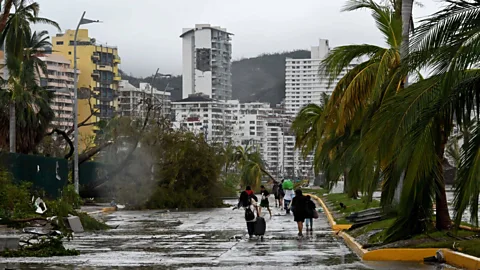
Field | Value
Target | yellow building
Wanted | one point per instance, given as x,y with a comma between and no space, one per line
98,66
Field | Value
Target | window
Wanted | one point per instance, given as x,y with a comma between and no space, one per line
69,53
252,122
252,133
59,42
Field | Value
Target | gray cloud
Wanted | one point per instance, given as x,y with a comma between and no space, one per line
147,31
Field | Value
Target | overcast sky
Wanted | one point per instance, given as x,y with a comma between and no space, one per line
147,31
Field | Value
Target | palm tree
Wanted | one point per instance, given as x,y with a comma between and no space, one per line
251,165
360,135
15,34
355,99
307,126
32,102
447,42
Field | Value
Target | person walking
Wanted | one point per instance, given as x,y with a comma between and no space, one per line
264,201
310,213
299,205
281,195
287,186
275,189
248,201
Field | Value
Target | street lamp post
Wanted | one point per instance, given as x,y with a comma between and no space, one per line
75,104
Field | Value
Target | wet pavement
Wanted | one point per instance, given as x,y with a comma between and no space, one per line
205,239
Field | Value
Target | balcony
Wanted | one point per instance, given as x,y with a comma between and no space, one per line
106,98
105,68
105,80
95,57
95,74
117,59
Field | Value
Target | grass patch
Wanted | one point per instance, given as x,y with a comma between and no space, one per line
353,205
383,224
470,247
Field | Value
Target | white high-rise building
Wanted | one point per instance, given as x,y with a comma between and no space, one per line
207,54
303,81
132,100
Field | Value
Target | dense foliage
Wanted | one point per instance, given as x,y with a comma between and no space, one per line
382,123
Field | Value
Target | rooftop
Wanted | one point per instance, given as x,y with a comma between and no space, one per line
204,26
196,98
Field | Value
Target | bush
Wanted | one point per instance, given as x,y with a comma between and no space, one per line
15,200
188,175
47,247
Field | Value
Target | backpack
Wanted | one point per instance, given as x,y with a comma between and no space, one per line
249,215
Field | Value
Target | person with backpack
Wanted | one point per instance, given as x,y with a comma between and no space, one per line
264,201
248,201
310,213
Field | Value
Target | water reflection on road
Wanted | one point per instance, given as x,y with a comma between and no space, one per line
207,239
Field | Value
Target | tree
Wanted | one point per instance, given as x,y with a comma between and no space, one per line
33,112
15,35
447,42
251,166
356,98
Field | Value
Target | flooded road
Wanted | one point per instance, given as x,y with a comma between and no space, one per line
207,239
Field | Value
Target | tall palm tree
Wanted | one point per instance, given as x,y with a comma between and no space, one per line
447,42
356,97
32,102
15,33
361,136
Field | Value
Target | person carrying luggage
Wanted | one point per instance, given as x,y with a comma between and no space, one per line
248,201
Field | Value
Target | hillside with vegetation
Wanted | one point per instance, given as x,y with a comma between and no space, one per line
260,78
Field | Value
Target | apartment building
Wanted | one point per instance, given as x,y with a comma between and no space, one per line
98,79
201,115
304,82
207,54
132,99
59,80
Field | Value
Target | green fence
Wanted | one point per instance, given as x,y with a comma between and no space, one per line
89,174
46,173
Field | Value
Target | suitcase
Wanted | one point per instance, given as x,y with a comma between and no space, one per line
260,226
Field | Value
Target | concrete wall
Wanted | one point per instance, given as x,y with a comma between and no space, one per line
188,64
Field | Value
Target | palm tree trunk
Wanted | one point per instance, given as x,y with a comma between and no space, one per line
407,7
267,173
443,221
12,135
406,13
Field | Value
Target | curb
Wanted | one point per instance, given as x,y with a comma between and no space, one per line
336,227
453,258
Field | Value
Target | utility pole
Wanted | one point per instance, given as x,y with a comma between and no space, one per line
75,104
